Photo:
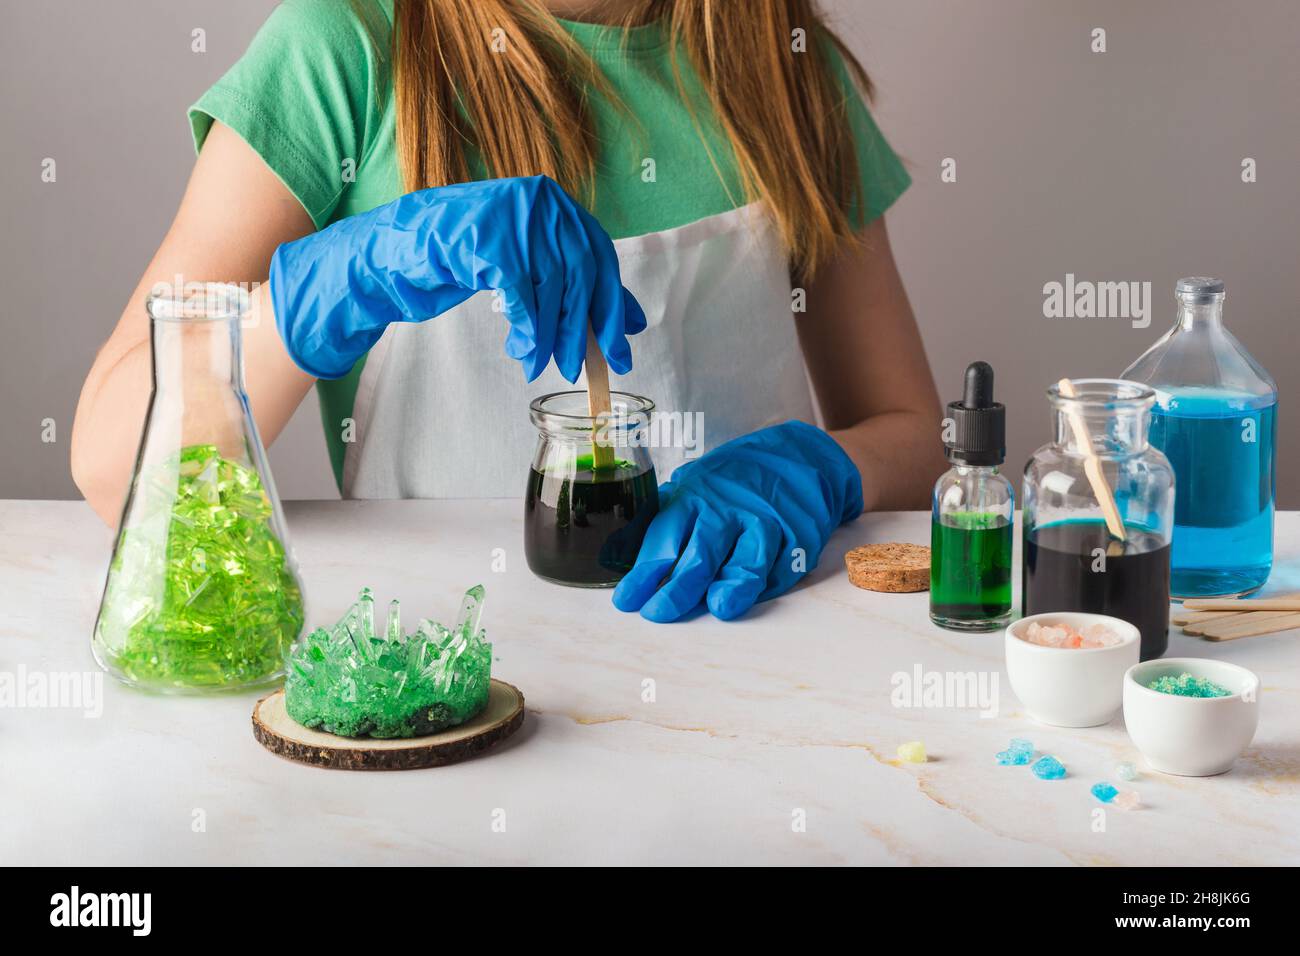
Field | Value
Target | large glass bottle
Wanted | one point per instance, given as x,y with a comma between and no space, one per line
583,518
1072,560
1216,421
202,591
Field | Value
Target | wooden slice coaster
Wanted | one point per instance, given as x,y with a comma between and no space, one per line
281,734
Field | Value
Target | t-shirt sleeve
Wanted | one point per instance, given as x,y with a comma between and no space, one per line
880,171
306,96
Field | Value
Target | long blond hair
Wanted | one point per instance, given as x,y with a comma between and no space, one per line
504,77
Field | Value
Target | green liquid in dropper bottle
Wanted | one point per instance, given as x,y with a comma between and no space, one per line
971,514
970,577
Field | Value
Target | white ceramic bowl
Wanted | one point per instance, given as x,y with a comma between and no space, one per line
1071,687
1191,736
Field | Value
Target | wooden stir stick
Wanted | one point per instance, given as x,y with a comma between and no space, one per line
1285,602
1227,619
1183,618
1092,466
598,404
1252,624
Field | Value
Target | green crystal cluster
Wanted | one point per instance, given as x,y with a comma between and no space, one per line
1185,685
200,592
353,682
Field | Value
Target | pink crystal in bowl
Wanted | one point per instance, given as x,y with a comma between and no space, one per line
1071,686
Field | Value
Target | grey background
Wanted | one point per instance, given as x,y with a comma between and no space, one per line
1116,166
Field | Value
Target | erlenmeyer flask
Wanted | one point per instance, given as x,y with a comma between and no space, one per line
202,591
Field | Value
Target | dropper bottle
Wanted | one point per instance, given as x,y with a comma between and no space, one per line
972,514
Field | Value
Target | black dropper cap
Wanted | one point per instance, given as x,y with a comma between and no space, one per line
979,432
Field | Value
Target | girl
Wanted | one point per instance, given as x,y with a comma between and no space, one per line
701,175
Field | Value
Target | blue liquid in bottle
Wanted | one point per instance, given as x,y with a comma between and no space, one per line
1215,418
1221,446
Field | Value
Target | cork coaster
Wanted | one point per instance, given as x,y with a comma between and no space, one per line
890,567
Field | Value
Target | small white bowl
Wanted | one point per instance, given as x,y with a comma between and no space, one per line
1191,736
1071,686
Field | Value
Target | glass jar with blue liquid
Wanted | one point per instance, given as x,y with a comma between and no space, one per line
1215,419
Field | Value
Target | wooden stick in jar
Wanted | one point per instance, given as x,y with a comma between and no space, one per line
598,404
1092,466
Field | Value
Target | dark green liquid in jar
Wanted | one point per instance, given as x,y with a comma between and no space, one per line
583,527
1064,571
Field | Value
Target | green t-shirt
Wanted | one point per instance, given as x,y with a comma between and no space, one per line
313,96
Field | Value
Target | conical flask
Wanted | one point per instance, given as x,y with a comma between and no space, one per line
1215,419
202,591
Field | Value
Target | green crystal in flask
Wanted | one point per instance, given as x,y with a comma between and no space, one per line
202,591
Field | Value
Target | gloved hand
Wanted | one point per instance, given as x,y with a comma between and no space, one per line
730,521
336,291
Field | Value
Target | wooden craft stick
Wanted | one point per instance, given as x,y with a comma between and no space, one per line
1232,622
1283,602
1286,622
598,404
1092,466
1182,618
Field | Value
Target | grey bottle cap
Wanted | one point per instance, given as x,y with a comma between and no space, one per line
1199,285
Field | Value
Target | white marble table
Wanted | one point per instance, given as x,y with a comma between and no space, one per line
756,725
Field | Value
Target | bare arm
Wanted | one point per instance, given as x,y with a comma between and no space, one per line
869,371
233,215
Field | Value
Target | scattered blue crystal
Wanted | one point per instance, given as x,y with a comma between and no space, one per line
1018,754
1049,768
1104,792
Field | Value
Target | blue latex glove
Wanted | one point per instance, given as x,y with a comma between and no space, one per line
730,521
336,291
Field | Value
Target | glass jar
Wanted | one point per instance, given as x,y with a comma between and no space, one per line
585,516
202,591
1216,419
1070,560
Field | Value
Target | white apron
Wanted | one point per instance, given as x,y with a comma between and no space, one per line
442,412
